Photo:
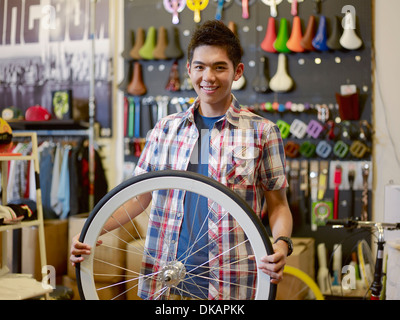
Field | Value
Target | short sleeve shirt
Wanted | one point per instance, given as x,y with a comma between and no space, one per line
246,154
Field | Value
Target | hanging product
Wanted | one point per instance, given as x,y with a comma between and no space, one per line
260,83
359,149
283,37
317,6
273,5
298,129
294,7
173,83
292,149
174,7
349,106
138,44
245,4
162,43
315,129
239,84
281,81
138,108
146,52
323,149
309,35
232,26
293,44
137,87
196,6
307,149
221,6
337,180
173,49
349,39
340,149
365,175
333,41
284,128
351,175
320,39
270,36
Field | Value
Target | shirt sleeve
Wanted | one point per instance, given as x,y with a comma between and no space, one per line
272,170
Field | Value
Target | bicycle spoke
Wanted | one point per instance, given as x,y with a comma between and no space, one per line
226,271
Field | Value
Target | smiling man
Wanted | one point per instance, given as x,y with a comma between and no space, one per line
218,138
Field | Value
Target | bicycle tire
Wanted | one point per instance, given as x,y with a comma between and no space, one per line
183,180
308,284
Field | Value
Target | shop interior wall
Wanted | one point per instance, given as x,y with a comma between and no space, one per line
314,83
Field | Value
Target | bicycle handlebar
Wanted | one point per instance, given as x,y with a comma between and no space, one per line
351,223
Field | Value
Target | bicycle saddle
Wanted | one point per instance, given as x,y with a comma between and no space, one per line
281,81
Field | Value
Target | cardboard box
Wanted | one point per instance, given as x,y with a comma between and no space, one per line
111,292
56,243
110,256
303,258
134,258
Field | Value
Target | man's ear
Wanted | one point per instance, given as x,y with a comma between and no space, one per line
188,67
239,71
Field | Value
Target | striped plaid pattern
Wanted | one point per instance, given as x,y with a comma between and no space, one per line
246,154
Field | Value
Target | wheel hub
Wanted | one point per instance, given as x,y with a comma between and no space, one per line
172,274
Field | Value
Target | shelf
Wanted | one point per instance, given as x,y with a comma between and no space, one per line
48,125
25,224
16,157
21,287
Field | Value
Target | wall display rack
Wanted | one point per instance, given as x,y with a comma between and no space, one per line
324,113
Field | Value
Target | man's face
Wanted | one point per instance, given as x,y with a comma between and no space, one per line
212,74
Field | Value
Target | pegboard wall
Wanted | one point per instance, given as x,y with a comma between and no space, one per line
317,75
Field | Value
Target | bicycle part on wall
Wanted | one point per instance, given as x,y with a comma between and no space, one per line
175,7
197,6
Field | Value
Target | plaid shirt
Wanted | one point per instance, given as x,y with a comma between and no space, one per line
246,154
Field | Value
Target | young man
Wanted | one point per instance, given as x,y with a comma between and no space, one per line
236,147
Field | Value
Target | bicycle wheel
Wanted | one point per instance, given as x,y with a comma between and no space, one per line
298,285
171,277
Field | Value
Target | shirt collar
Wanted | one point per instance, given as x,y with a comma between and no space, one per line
232,115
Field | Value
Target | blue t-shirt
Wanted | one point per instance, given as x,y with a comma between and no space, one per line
195,222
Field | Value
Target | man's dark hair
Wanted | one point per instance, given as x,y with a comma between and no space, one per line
216,33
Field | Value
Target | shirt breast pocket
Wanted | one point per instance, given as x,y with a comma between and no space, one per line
243,167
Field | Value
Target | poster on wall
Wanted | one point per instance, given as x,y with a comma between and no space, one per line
45,47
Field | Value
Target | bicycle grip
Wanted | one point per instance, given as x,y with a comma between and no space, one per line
347,223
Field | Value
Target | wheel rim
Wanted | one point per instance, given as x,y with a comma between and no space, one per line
174,180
